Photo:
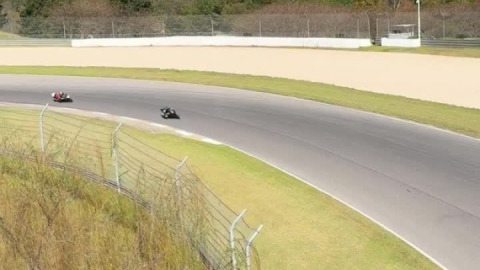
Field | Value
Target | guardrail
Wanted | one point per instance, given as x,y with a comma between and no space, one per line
459,43
446,43
115,156
35,43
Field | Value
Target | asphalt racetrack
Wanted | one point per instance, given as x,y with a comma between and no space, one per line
420,182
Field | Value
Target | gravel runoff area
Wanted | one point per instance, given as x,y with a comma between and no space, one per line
445,79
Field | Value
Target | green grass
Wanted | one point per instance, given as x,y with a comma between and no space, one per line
458,52
5,35
458,119
304,228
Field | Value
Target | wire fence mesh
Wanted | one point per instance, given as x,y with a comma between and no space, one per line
267,25
167,186
436,24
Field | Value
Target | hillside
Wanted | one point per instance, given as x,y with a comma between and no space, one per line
67,221
123,8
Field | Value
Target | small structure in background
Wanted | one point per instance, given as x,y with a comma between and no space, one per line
402,31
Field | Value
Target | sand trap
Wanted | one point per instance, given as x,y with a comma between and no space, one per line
438,78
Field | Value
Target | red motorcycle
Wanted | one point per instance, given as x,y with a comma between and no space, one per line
61,97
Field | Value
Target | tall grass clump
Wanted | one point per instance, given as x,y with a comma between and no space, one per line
53,217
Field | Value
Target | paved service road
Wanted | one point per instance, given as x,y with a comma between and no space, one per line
420,182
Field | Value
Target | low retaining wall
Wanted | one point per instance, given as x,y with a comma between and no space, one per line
225,41
392,42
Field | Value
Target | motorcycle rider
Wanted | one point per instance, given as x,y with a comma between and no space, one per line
57,95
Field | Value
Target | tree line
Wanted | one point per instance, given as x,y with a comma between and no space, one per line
132,8
55,18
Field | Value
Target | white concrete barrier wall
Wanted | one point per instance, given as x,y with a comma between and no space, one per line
409,43
225,41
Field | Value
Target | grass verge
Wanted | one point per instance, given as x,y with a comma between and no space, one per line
457,52
5,35
304,229
454,118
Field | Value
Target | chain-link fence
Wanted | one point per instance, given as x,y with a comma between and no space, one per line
117,157
434,24
311,25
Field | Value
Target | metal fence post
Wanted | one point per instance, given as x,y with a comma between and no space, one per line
113,29
369,31
164,30
232,238
443,23
177,178
64,29
419,24
358,28
11,28
388,25
211,22
260,27
249,244
115,156
308,25
42,144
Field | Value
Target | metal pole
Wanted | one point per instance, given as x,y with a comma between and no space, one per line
260,27
358,28
368,21
388,25
64,29
308,25
232,238
177,176
249,244
211,21
443,22
419,24
113,29
376,27
163,27
115,156
42,145
11,28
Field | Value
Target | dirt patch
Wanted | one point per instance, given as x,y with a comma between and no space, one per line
451,80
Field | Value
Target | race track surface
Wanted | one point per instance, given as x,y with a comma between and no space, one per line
420,182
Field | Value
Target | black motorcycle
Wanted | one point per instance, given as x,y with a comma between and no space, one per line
168,112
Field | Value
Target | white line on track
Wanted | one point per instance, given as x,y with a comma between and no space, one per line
211,141
183,132
159,125
345,203
129,118
101,113
63,108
